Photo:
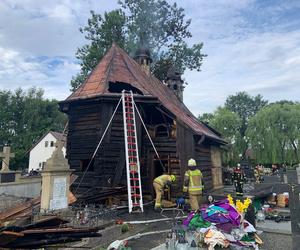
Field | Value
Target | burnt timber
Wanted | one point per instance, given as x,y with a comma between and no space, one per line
175,131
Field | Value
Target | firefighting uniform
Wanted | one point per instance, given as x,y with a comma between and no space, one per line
159,184
193,185
238,181
257,175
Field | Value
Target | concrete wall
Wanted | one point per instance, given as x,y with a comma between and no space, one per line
28,189
9,201
40,153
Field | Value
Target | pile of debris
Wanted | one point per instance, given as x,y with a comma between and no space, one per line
100,195
18,231
221,223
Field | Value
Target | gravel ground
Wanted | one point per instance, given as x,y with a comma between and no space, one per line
273,241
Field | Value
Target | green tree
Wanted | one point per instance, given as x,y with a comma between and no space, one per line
25,117
101,32
156,24
228,124
274,133
245,106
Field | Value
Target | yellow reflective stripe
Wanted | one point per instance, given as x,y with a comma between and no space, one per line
195,173
196,188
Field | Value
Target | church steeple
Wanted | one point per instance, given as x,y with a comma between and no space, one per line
143,58
142,54
175,82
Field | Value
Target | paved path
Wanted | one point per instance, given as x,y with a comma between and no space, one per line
270,226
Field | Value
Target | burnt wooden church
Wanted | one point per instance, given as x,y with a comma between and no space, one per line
175,131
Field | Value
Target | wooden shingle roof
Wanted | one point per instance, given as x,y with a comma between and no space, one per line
118,67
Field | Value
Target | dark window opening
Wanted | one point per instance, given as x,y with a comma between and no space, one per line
175,87
46,144
155,116
84,164
162,131
158,167
119,87
52,144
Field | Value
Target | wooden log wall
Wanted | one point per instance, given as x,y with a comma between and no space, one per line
83,134
87,123
188,148
167,150
112,154
86,126
185,146
203,159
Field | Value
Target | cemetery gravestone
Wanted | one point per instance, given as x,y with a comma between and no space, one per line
292,176
55,181
272,179
6,175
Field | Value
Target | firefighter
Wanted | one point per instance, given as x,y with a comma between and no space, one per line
192,184
238,180
159,184
257,174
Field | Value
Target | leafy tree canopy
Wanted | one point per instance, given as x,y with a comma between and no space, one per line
155,24
25,117
245,106
275,133
224,121
228,124
232,121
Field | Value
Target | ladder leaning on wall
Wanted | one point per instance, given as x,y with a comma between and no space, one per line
134,185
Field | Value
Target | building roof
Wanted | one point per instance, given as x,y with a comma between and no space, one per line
118,67
57,136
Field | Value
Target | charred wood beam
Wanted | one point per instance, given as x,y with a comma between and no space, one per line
65,105
119,169
166,112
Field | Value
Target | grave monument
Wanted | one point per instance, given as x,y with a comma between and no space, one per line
7,175
55,181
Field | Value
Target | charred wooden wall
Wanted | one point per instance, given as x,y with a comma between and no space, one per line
85,125
87,122
189,148
203,159
167,150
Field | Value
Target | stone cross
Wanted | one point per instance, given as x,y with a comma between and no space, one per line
6,155
57,159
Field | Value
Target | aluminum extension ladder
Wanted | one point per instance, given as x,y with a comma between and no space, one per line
134,187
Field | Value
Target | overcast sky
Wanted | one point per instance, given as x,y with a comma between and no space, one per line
252,46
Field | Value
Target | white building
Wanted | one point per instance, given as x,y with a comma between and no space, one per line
42,150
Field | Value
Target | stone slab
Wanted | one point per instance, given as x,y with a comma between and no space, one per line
277,188
292,177
270,226
6,177
272,179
